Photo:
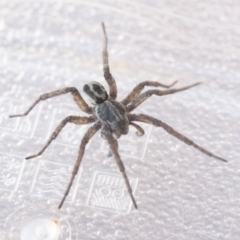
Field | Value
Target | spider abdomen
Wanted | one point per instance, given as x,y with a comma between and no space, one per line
114,114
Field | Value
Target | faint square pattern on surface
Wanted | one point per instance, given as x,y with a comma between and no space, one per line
51,179
25,126
108,191
10,171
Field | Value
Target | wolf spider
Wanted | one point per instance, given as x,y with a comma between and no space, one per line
111,116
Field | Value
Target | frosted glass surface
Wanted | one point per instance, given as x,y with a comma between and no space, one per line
181,193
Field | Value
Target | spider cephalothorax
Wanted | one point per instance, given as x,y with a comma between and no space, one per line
96,92
111,116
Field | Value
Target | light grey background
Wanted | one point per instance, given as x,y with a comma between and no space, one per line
182,193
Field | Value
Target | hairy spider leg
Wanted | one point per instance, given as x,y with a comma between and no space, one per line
173,132
106,70
70,119
140,131
76,97
144,96
113,144
137,90
88,135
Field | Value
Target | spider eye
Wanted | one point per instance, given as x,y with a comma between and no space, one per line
96,92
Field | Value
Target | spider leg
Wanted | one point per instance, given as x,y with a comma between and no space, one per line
144,96
113,144
106,70
170,130
69,119
136,91
76,97
140,131
88,135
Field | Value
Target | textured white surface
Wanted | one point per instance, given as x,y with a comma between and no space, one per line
40,228
182,194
